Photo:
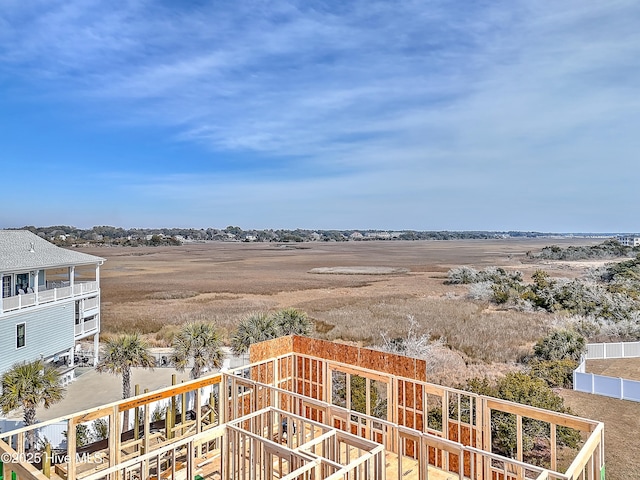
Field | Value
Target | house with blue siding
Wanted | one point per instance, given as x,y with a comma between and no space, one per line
50,302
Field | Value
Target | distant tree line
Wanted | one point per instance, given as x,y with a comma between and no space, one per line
64,235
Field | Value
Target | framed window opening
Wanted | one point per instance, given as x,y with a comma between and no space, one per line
360,392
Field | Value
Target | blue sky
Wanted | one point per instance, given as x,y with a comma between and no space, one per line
428,115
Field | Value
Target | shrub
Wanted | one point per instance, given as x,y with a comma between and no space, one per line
100,429
560,345
556,373
466,275
501,293
481,291
462,275
526,389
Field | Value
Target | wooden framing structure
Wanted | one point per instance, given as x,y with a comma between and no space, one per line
310,409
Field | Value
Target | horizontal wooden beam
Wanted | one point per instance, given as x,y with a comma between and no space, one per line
540,414
168,392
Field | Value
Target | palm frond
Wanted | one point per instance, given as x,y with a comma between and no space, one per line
28,385
200,342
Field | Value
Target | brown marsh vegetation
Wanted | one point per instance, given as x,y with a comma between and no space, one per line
154,290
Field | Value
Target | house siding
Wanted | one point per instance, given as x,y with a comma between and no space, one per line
49,331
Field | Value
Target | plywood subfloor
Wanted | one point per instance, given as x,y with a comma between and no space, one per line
410,470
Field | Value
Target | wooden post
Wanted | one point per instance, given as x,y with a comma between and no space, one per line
212,404
553,448
6,470
114,441
486,436
46,461
20,444
145,439
198,409
190,460
183,414
276,382
136,420
168,424
519,437
173,401
71,449
223,400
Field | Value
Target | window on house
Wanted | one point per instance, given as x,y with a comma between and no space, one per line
20,335
78,319
6,286
22,282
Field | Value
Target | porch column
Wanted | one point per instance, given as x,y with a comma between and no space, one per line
72,276
98,275
96,347
71,353
36,281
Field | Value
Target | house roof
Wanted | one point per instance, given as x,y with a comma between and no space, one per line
23,250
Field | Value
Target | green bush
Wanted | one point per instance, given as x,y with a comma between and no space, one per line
561,345
556,373
526,389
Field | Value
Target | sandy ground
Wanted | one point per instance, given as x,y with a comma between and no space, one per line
615,367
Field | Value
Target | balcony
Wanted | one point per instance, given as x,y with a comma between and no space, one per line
52,292
87,327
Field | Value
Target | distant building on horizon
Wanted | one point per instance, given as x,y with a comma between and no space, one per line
629,241
50,301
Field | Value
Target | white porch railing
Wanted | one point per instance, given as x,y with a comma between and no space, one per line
84,287
17,302
91,303
89,326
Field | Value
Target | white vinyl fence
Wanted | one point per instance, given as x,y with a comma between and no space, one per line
608,386
613,350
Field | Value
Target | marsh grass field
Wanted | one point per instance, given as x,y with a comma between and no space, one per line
354,292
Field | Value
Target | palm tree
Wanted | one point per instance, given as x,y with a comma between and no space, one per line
257,327
28,385
122,354
198,341
291,321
